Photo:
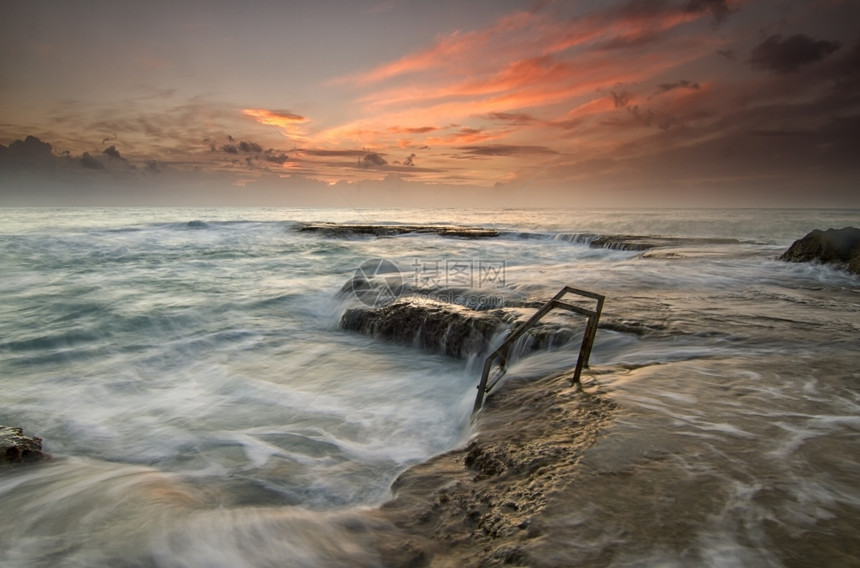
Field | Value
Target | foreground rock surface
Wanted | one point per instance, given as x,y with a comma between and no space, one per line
481,505
833,246
15,447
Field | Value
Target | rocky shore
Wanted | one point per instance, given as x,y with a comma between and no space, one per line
481,505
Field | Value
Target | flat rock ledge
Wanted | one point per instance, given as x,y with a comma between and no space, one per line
15,447
482,505
335,230
833,246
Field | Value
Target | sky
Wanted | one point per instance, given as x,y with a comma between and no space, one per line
497,104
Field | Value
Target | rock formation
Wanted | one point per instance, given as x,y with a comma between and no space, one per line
482,505
446,328
15,447
833,246
335,230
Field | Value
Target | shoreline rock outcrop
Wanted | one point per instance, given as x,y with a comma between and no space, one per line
15,447
450,329
833,246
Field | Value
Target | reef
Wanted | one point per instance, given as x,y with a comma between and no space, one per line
336,230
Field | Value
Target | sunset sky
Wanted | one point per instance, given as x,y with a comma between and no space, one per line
397,103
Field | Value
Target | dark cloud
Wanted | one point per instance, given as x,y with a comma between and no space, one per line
335,153
372,160
728,54
641,13
286,114
682,84
648,117
504,150
666,87
90,162
719,9
236,148
29,152
274,157
787,55
112,153
620,97
410,160
415,130
651,9
518,118
250,147
152,167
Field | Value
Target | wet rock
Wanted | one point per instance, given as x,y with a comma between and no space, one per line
450,329
486,462
481,505
642,243
15,447
335,230
833,246
446,328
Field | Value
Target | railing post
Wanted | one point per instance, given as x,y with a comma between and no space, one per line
582,360
503,351
482,386
592,326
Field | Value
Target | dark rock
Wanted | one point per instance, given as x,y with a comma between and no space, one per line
15,447
449,329
335,230
833,246
642,243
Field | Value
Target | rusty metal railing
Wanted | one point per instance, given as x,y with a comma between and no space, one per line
502,353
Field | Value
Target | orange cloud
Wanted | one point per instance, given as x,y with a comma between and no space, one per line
288,123
454,46
561,74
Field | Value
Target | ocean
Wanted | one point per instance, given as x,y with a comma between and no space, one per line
187,371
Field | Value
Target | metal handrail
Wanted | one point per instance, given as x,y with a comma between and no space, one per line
503,351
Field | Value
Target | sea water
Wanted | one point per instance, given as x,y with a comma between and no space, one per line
186,370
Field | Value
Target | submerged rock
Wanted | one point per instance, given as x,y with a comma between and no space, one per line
833,246
643,243
15,447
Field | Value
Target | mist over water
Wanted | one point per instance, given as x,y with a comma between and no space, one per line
187,372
